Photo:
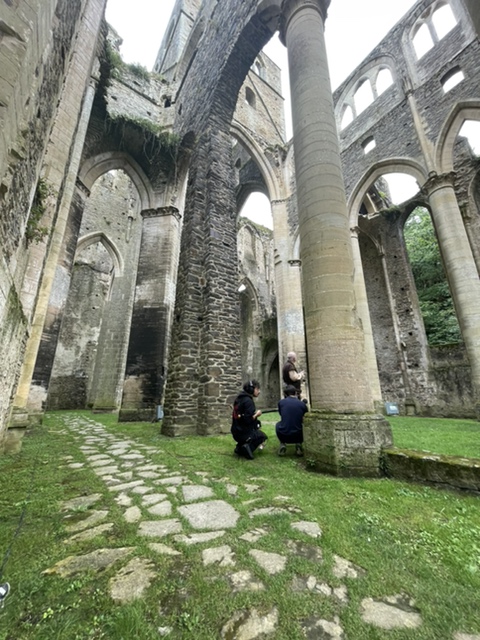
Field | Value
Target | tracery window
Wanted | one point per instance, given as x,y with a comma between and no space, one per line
434,25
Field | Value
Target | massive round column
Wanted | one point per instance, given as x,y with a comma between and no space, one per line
342,434
335,344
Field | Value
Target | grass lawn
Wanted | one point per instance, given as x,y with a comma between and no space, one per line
437,435
410,539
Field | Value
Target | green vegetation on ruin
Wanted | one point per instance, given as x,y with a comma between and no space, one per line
410,539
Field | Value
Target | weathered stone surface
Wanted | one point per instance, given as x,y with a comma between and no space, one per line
82,502
161,509
163,549
153,498
343,568
272,563
159,528
89,534
199,538
245,581
310,528
393,612
216,514
132,514
223,556
93,518
250,625
253,535
131,581
95,561
303,550
267,511
196,492
322,629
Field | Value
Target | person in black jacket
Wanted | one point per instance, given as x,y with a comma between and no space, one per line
290,428
245,424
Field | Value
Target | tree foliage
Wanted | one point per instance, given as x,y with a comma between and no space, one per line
436,302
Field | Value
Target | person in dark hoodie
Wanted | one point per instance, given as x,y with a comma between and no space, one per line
290,428
245,423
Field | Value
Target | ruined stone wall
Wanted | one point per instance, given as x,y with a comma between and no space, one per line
406,122
37,41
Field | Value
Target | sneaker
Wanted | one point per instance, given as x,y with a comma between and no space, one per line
4,591
282,450
247,452
299,450
238,450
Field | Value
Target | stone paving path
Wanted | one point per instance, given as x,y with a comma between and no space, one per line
163,502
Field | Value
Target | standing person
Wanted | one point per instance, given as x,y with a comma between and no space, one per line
290,428
245,424
290,374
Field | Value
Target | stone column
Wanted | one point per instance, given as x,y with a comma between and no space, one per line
288,289
459,265
364,315
204,372
342,435
70,148
152,314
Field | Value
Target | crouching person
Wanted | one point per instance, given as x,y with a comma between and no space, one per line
245,424
290,428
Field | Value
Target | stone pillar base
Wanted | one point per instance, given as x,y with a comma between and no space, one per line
136,415
345,445
104,409
13,439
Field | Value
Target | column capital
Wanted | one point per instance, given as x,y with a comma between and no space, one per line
437,181
291,7
161,212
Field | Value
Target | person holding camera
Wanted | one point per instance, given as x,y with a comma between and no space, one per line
245,423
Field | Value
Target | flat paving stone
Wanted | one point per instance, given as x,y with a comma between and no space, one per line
163,549
102,463
272,563
131,581
105,471
82,502
466,636
223,556
245,581
133,514
254,535
199,538
89,534
392,612
304,550
159,528
232,489
310,528
161,509
250,625
126,485
94,517
322,629
343,568
95,561
173,480
148,475
215,514
153,498
141,490
123,500
193,492
76,465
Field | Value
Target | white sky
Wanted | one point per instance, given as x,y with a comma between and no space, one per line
353,28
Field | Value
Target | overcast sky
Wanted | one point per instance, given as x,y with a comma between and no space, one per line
353,28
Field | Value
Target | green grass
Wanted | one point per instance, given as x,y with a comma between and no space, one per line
410,539
437,435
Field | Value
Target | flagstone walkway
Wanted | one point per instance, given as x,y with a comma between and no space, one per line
167,506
